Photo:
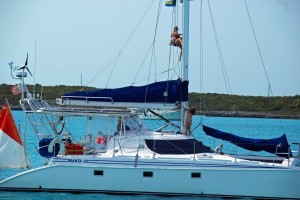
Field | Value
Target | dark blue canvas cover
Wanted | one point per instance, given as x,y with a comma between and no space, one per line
188,146
43,148
152,93
268,145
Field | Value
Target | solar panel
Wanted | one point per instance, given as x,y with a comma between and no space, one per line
80,110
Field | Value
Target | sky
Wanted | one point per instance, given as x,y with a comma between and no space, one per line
105,43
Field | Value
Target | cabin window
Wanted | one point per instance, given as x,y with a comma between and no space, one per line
148,174
185,146
196,175
98,173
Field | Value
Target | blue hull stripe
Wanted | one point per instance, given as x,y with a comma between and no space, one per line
142,163
131,193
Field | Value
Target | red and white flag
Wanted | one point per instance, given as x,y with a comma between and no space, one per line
17,89
12,154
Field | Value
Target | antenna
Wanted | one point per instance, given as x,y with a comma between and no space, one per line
34,68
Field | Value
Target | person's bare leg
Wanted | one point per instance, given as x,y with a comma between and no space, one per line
178,43
180,54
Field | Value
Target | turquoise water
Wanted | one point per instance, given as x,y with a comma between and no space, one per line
247,127
64,196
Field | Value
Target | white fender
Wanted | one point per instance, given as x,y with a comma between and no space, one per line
61,146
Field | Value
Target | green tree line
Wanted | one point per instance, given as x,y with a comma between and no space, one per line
207,102
49,93
279,105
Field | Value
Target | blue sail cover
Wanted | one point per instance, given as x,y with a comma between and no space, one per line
152,93
268,145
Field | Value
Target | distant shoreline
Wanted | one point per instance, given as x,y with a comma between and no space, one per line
241,114
222,105
244,114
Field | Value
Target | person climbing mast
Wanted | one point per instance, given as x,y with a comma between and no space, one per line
177,40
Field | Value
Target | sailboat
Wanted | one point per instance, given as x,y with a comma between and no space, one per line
117,154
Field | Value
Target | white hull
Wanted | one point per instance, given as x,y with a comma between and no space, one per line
169,177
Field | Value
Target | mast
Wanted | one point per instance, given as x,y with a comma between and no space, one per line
185,54
186,31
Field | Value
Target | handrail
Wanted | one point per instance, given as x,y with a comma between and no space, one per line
86,98
278,145
235,152
288,153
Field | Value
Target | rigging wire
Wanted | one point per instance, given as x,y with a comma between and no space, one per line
174,18
161,73
127,41
102,70
224,71
172,50
149,72
170,47
225,76
136,27
175,72
201,53
143,62
262,61
201,69
151,47
201,60
259,51
154,38
113,69
117,56
177,62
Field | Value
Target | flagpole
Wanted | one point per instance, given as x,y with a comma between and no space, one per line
23,107
25,149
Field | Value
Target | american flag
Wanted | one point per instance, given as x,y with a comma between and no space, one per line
17,89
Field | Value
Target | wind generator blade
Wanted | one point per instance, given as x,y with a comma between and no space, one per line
28,71
26,60
25,65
